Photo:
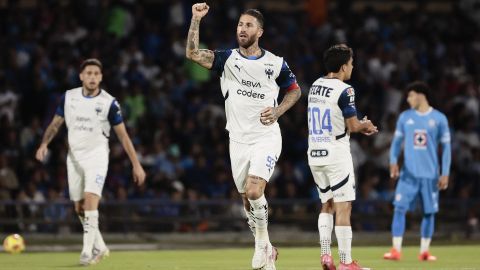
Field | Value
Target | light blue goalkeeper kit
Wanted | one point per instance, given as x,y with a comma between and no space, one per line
421,134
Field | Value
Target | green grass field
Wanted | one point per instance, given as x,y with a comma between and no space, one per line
450,257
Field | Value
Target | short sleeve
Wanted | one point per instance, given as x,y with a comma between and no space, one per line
61,107
115,114
346,102
220,57
286,80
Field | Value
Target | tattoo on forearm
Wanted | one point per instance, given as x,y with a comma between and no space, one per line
201,56
50,133
288,101
193,37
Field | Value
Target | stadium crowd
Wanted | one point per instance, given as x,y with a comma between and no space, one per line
174,108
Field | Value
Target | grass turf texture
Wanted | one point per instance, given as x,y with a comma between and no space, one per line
450,257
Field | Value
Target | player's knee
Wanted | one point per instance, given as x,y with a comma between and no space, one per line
254,193
400,210
327,207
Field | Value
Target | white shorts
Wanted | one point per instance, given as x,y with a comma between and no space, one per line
86,176
335,181
256,159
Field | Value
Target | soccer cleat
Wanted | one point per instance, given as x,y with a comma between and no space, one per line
98,255
272,256
327,262
393,255
351,266
427,257
85,259
259,260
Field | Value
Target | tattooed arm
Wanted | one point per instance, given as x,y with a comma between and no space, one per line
51,131
269,115
200,56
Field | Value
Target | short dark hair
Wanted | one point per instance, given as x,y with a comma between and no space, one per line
255,13
91,62
336,56
419,87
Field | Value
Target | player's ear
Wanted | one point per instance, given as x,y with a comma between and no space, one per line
260,33
81,76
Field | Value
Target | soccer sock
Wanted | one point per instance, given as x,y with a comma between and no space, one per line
90,227
397,243
259,210
424,244
344,239
250,221
325,227
398,227
99,243
428,226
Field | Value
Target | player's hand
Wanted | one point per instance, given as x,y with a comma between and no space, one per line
41,152
371,129
443,182
138,175
268,116
394,172
199,10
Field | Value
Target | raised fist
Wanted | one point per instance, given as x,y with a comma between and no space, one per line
200,9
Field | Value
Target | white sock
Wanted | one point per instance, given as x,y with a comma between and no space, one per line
90,227
397,242
250,221
425,244
259,210
98,243
344,239
325,227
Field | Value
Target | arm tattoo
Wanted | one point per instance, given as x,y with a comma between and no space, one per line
290,98
201,56
52,130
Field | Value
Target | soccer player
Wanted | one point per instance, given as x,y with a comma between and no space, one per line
89,112
251,78
421,129
332,116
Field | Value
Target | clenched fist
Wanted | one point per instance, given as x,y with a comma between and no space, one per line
199,10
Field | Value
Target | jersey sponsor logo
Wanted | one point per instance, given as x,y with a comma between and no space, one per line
319,153
420,139
251,84
251,94
269,72
320,90
410,121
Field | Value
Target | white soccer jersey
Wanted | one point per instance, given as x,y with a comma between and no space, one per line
88,121
330,102
249,85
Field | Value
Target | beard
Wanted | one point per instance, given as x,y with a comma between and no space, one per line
246,43
91,87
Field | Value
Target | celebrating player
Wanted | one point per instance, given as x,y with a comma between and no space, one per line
332,116
251,78
421,129
89,113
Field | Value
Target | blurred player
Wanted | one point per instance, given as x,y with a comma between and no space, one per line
421,129
89,112
332,116
251,78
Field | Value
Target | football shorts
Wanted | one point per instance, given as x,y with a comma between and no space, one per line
335,181
86,176
410,188
256,159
